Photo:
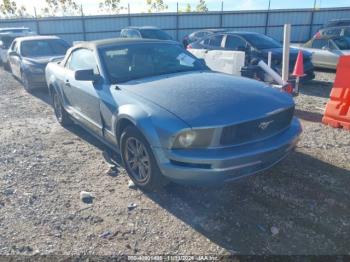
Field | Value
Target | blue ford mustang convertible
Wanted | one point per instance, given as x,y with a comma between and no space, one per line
168,115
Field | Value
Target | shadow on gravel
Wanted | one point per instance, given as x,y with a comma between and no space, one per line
317,88
43,95
83,134
308,204
309,116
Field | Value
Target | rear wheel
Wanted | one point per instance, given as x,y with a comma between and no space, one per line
60,113
139,160
7,67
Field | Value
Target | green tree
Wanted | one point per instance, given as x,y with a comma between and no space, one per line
202,6
9,8
111,6
61,7
188,8
156,6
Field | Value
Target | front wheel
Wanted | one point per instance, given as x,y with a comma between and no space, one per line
139,160
26,83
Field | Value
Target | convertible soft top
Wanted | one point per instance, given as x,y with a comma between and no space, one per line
118,41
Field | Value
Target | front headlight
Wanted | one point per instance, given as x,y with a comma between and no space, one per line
200,138
187,138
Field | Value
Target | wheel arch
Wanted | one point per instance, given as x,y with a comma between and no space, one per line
134,115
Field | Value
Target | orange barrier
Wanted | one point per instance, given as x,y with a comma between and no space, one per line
337,112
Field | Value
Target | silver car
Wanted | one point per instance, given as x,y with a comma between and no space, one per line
327,50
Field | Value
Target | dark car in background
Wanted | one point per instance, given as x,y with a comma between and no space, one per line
256,47
197,35
146,32
7,35
334,28
28,57
337,22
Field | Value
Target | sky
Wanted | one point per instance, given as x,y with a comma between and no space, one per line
138,6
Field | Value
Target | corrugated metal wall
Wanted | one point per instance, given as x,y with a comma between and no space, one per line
305,23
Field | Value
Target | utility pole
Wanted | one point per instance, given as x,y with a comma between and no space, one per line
37,22
267,17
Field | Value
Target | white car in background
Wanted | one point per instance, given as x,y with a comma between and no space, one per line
7,35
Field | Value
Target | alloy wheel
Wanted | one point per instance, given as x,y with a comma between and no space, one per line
137,159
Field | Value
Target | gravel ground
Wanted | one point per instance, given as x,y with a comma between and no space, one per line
299,207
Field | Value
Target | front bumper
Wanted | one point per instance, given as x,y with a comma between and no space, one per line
217,166
37,80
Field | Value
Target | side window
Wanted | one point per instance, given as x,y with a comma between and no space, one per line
16,47
123,33
133,34
199,35
13,46
81,59
235,43
215,41
319,43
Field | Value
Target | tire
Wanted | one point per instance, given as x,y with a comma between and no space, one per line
139,161
26,83
7,67
61,114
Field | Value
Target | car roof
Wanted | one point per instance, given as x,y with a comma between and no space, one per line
213,30
337,22
119,41
13,28
37,37
142,27
242,33
328,37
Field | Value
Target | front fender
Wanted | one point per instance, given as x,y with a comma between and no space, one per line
157,125
140,118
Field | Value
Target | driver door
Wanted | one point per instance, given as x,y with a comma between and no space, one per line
83,96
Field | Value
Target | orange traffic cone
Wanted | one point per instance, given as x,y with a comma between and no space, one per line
299,65
298,70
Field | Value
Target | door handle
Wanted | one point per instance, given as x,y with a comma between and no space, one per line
67,83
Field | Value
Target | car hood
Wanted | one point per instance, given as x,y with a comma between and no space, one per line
205,99
43,60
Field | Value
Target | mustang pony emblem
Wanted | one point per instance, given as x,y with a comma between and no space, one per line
264,125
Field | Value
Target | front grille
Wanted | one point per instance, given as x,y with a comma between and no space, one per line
257,129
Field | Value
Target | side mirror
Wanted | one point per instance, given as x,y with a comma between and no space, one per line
13,53
86,75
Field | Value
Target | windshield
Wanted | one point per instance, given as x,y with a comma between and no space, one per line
124,63
49,47
155,34
343,43
261,41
